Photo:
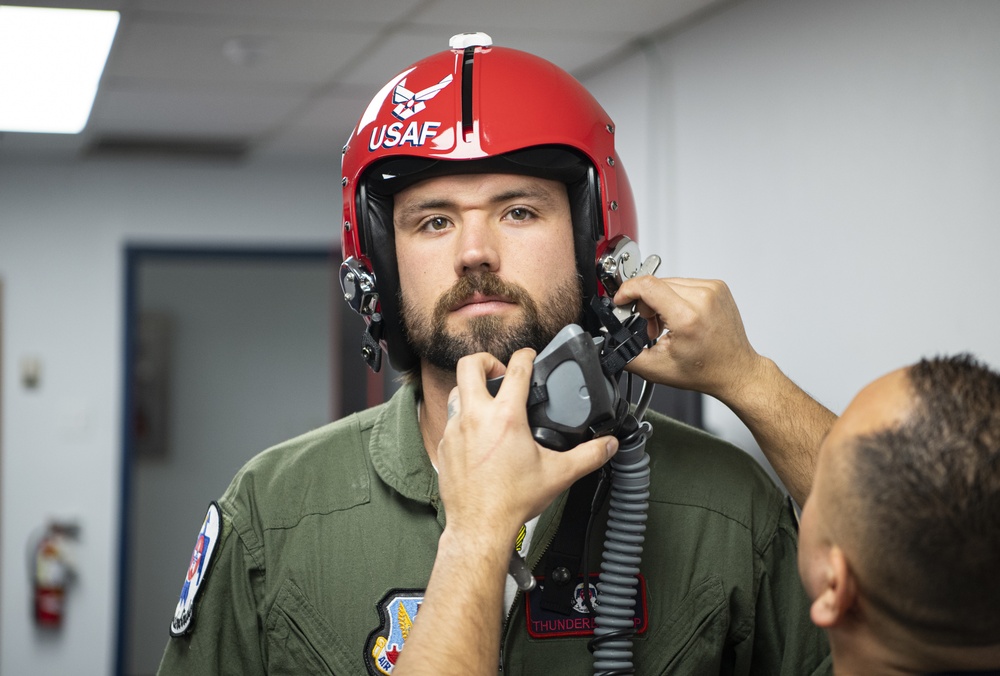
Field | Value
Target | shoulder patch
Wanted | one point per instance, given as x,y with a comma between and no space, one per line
397,610
197,571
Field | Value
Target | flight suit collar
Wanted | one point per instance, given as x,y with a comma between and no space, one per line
398,454
401,461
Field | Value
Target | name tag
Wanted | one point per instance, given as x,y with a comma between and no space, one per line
580,621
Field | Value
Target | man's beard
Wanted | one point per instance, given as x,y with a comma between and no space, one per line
490,333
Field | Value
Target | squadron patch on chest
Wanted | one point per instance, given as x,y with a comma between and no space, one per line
397,610
197,571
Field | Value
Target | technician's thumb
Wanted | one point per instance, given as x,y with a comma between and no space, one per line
595,453
610,447
580,461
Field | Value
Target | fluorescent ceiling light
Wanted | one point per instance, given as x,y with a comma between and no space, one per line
51,61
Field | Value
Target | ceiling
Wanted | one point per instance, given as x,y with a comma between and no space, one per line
289,78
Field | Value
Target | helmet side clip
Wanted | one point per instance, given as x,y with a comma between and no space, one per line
621,261
358,284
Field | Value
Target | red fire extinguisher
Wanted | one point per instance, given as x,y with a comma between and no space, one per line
53,572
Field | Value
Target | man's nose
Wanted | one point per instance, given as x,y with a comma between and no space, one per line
478,247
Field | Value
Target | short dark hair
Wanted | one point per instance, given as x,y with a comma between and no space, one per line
929,491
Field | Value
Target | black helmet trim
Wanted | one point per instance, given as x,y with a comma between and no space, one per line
552,162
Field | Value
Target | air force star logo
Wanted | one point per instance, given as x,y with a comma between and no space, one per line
409,103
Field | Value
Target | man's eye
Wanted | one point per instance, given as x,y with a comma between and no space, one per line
519,214
436,223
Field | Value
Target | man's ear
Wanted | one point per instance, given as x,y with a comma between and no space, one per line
839,592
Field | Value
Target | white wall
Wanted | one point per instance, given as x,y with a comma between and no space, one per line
62,232
835,162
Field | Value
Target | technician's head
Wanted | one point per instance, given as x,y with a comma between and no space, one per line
446,176
900,537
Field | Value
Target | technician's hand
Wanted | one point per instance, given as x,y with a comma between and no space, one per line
492,473
706,347
493,477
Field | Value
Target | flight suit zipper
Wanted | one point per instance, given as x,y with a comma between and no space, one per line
534,558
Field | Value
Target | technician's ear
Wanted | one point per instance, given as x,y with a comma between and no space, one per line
839,592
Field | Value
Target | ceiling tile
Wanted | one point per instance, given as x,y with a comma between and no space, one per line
182,52
390,56
322,127
185,113
72,4
294,75
619,16
370,11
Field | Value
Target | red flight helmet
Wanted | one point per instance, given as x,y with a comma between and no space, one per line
474,108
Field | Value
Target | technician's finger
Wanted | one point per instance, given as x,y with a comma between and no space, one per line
688,281
699,292
471,374
655,294
517,381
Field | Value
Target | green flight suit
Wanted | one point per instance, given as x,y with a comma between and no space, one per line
318,530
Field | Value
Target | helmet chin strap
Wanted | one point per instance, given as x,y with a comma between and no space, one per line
623,341
371,349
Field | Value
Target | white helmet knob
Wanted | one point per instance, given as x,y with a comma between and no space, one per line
463,40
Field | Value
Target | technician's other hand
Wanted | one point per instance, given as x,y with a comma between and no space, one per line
705,347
